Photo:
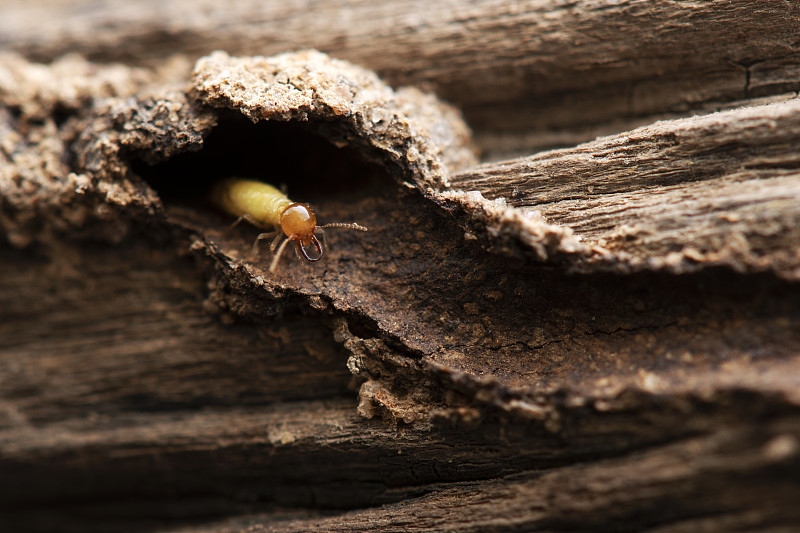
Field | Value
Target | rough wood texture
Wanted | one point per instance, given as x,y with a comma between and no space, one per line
602,337
552,73
684,194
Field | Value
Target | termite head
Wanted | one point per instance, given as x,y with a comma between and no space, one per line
298,222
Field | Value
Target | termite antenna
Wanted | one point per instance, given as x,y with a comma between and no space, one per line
274,264
345,225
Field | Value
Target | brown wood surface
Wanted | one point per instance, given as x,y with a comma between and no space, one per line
600,337
526,74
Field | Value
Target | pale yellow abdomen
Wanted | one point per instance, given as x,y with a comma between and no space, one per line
261,201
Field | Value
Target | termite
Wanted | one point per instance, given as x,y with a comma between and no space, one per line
264,206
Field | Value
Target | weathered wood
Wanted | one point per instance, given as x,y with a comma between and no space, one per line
716,189
318,454
614,346
530,74
136,337
603,495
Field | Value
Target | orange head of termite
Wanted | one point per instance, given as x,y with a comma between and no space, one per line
299,223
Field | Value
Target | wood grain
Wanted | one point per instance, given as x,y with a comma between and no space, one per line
526,75
717,189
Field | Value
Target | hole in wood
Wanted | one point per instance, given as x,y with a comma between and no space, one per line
280,153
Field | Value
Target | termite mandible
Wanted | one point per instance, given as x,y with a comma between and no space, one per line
264,206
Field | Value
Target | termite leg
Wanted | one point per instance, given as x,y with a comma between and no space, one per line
274,264
248,218
275,242
259,238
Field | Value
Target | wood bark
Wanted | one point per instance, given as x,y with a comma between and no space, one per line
598,337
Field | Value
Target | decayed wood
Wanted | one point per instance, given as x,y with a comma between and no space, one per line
468,363
553,73
716,189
